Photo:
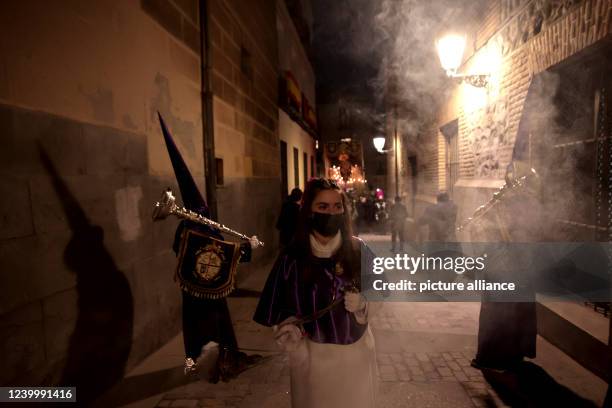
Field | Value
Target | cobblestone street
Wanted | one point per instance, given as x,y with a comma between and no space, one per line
418,364
423,352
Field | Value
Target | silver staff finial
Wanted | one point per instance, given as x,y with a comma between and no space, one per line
167,206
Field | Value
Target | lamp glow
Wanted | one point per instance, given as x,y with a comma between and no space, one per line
450,51
379,143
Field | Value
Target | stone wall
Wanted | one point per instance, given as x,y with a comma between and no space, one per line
86,275
245,88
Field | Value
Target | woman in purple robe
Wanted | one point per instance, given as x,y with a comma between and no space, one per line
312,301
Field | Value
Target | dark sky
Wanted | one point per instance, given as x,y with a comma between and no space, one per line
356,42
345,57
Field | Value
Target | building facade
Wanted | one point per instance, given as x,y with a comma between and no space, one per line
87,275
466,148
546,106
244,85
297,131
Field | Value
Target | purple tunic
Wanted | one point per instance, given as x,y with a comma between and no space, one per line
288,293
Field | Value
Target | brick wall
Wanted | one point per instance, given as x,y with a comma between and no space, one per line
590,22
489,25
531,40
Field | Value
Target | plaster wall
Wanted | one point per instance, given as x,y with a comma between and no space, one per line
87,275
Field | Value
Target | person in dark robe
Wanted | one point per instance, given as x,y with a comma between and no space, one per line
397,216
507,329
287,221
440,218
209,320
205,320
311,299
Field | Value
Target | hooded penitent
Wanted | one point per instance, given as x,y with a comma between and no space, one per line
205,313
207,263
192,198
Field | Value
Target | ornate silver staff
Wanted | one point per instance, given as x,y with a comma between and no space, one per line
167,206
511,185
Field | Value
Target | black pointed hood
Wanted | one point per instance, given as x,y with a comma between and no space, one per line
192,198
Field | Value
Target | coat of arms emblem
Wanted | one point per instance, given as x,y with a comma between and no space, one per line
207,265
208,262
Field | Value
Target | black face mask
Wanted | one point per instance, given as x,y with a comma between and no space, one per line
327,225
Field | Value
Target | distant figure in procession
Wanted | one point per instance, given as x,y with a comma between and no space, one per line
397,217
312,301
287,221
440,218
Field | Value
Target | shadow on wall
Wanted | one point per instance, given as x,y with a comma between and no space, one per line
102,338
529,385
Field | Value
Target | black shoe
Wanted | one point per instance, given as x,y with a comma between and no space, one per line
231,363
498,368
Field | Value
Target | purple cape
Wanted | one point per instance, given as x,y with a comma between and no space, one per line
288,293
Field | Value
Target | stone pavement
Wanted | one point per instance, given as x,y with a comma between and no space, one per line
423,353
427,347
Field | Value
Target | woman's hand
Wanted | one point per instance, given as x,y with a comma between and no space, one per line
354,302
287,335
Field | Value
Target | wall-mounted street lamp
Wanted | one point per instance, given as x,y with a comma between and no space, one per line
450,51
379,144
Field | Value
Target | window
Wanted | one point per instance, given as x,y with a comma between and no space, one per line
296,167
246,64
284,170
312,172
305,168
381,168
450,132
219,171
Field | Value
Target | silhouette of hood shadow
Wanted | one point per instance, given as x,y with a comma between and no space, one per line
101,342
142,386
136,388
529,385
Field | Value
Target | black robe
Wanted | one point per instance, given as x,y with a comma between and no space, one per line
507,330
506,333
206,320
287,221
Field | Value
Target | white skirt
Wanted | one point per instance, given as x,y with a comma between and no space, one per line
334,375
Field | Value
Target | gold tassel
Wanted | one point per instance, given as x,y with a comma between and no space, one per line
196,292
